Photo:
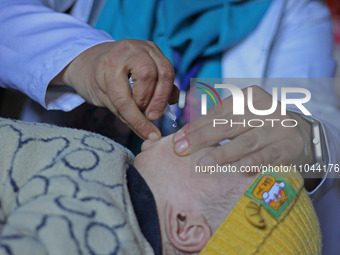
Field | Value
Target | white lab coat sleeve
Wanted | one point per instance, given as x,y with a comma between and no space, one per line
36,43
294,40
303,48
303,44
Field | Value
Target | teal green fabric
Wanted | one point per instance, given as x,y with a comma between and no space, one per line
198,29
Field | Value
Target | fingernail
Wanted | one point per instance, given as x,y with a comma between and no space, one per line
178,135
154,115
153,136
181,146
206,161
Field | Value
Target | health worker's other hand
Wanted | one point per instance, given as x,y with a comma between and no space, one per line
100,75
248,146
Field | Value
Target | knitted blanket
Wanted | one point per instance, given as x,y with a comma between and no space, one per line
63,191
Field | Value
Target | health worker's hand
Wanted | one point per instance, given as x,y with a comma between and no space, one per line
100,75
248,145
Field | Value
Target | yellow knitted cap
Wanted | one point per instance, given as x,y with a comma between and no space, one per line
274,216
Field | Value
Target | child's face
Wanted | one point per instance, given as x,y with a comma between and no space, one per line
176,192
160,166
169,178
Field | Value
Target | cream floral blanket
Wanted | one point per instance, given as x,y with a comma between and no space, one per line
63,191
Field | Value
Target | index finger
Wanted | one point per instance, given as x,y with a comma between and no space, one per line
164,85
124,106
218,111
138,123
204,131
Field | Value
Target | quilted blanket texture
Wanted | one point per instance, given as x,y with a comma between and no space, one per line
63,191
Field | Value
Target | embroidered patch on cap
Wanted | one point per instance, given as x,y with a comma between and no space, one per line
273,192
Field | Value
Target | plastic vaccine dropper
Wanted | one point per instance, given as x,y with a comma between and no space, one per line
167,111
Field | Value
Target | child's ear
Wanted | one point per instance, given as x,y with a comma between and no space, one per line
187,231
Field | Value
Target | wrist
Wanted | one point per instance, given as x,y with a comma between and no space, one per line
315,139
60,79
313,151
305,128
